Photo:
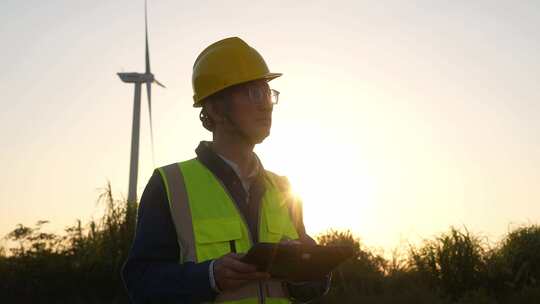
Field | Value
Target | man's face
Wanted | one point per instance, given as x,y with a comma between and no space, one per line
251,109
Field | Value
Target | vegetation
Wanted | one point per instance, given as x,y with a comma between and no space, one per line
454,267
83,265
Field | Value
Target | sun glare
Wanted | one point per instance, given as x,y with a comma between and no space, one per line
337,190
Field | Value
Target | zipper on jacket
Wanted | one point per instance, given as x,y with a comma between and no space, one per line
261,293
259,224
262,298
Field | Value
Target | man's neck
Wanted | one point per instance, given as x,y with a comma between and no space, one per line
239,152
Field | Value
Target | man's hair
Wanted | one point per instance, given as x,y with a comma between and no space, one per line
219,100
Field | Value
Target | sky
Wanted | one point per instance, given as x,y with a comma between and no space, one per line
397,119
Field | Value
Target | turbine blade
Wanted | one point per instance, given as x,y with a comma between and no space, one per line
149,94
159,84
147,53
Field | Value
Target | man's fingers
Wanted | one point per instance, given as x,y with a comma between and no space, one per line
251,276
233,284
234,255
239,266
230,272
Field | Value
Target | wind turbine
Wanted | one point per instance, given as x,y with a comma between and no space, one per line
138,79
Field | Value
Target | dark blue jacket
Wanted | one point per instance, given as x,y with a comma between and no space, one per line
152,273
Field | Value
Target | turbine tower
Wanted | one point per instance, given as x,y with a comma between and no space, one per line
138,79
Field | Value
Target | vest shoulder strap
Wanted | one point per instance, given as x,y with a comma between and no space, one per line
180,210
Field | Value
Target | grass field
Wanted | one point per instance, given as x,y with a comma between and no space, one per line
83,265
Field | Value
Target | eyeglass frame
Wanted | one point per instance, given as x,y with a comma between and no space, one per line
250,92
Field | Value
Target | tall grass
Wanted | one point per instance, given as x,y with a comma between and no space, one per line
80,266
83,265
453,267
453,263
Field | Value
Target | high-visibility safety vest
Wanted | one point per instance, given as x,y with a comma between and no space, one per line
208,223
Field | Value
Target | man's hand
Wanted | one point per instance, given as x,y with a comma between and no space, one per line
230,273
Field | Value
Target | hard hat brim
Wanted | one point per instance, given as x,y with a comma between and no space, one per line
271,76
268,77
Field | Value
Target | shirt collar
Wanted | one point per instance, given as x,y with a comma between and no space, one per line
221,166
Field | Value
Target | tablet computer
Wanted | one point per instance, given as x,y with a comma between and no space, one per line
296,262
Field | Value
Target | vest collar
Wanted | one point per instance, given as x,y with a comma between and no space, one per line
219,166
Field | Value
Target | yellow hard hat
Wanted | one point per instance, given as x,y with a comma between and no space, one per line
226,63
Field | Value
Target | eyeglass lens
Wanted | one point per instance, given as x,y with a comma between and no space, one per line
260,95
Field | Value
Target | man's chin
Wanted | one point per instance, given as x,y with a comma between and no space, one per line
259,138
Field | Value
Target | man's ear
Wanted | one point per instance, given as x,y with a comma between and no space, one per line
215,112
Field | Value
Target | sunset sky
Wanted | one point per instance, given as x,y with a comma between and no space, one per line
396,119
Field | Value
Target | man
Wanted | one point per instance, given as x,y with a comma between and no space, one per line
196,218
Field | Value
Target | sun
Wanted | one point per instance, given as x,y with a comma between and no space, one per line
336,189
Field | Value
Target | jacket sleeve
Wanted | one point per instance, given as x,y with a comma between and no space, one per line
306,291
152,272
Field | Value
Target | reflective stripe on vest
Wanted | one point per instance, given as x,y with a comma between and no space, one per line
207,219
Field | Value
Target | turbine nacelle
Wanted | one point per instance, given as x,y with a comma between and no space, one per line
134,77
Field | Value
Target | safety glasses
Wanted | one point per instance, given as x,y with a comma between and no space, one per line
262,95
